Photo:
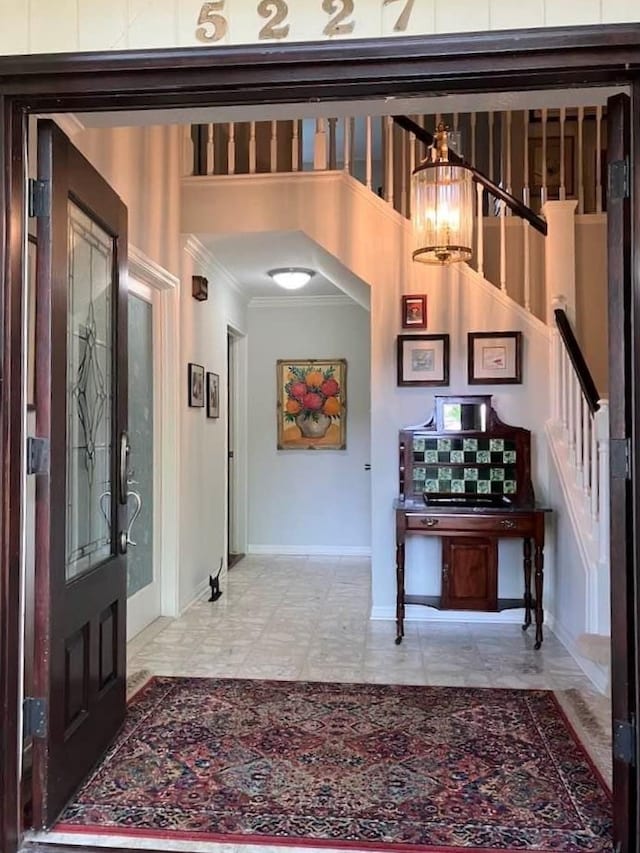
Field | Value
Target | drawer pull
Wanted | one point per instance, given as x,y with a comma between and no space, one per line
507,523
429,522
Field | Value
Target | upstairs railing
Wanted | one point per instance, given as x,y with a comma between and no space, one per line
534,155
582,420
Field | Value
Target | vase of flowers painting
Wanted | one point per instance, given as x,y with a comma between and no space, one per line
311,405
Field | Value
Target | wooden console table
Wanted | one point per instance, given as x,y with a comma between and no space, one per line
469,524
465,476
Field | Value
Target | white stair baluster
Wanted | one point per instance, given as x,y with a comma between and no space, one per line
252,147
367,151
231,149
480,228
562,192
543,189
320,146
188,152
273,148
211,163
388,172
295,146
598,159
346,156
503,247
580,159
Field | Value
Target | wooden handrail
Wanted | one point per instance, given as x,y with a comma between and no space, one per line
577,360
518,207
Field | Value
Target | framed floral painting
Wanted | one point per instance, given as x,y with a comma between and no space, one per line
312,397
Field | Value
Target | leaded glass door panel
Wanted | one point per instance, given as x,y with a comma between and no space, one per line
81,505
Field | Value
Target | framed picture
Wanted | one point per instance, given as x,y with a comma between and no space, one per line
213,395
31,321
312,399
495,358
414,311
423,359
196,385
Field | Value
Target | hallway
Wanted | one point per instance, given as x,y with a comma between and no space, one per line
307,618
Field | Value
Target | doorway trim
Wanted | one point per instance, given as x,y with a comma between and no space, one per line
509,60
163,287
238,488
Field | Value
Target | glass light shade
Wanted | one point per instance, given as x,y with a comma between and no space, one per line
442,196
291,278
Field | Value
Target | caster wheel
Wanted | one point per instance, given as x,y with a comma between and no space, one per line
537,645
398,640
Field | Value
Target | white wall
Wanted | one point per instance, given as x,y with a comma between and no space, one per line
39,26
374,243
142,164
203,441
300,500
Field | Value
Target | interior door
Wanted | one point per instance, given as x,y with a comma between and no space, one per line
81,503
624,405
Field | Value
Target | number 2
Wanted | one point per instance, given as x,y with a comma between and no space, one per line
214,24
335,27
403,21
280,10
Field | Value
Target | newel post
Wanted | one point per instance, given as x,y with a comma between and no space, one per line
560,256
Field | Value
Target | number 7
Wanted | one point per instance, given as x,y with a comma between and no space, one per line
401,24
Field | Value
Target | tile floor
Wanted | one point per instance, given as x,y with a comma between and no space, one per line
308,618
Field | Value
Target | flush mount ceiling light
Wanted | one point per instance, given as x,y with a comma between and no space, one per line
442,206
291,278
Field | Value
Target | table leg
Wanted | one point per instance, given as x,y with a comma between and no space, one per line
527,583
400,592
539,581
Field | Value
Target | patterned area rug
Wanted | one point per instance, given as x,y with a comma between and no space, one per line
427,768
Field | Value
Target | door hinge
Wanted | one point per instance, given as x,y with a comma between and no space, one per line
37,455
619,179
34,717
620,458
38,198
624,740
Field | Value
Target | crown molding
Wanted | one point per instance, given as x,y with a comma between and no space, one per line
146,270
286,301
68,123
196,249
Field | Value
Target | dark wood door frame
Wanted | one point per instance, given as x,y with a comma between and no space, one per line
510,60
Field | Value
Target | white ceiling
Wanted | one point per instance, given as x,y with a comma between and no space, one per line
465,103
248,257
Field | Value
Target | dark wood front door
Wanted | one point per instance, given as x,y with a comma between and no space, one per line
81,512
624,370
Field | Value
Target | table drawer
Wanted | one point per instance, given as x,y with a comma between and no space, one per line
447,524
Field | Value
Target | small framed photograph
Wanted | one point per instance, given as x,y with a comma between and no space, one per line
196,385
495,358
423,359
213,395
414,311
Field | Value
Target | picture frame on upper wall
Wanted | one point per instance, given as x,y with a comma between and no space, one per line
213,395
196,385
423,360
414,311
494,358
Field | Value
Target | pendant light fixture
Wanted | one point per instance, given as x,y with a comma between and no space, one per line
442,206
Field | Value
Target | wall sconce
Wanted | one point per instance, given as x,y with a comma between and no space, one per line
442,207
199,288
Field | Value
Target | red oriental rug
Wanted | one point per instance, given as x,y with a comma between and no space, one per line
353,765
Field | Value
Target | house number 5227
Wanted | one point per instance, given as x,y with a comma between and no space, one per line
212,25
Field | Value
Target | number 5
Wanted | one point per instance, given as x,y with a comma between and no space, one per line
403,21
215,25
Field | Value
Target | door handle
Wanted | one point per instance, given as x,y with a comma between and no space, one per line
125,448
136,512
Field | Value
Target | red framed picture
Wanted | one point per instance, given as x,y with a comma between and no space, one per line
414,311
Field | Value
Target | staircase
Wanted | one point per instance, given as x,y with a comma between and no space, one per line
527,278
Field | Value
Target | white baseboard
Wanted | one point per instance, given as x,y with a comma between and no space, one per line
418,613
599,675
311,550
197,595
